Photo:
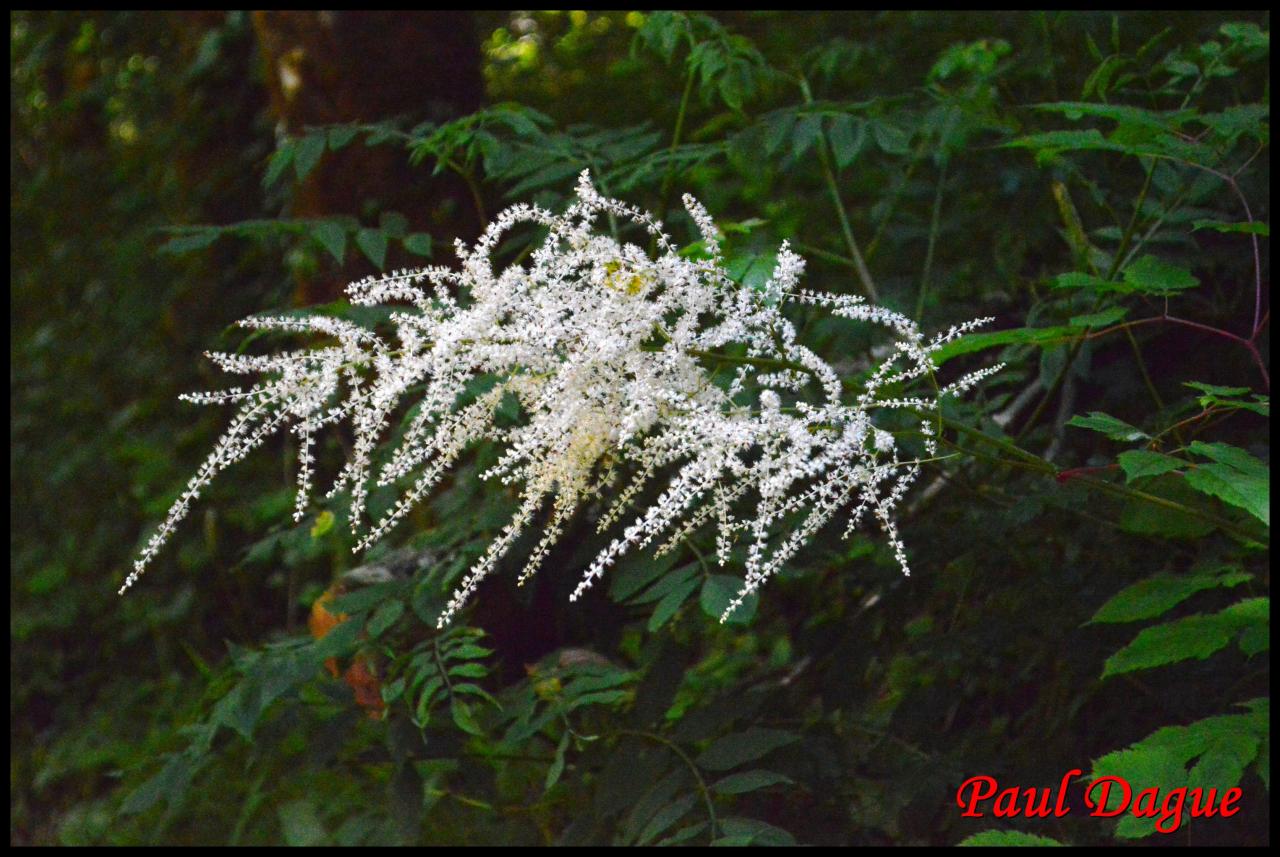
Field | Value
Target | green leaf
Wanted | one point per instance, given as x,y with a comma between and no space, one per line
750,831
670,603
719,591
1099,319
1007,838
170,784
1232,456
1158,594
393,691
463,717
1215,391
393,224
309,151
189,241
1081,280
300,824
1224,761
341,136
470,669
385,617
1040,336
1110,426
418,243
847,137
324,523
806,132
1138,463
1152,276
373,243
1247,228
748,781
665,817
1248,491
638,570
280,161
740,747
891,139
1139,516
332,237
557,764
1192,637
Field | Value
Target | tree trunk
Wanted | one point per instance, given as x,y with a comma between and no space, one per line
325,68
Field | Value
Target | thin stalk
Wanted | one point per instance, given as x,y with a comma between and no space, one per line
1116,261
933,240
824,159
665,199
684,757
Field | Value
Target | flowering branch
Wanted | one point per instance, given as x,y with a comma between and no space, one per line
601,347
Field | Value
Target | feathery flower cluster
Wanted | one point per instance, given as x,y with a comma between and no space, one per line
609,354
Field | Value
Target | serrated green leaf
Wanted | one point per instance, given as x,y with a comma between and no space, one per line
1113,428
1232,456
1039,336
1153,276
1224,762
1138,463
1192,637
1217,391
1243,490
1147,519
1099,319
373,243
1156,595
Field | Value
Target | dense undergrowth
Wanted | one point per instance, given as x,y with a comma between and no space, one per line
1089,551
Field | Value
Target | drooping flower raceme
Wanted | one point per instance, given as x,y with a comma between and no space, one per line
616,360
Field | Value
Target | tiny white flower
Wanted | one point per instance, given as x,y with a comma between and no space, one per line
610,356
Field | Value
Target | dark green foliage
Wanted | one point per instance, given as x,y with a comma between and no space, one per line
1091,585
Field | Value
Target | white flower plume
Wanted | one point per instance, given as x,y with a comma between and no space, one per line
614,359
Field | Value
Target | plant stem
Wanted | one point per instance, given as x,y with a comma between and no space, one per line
697,775
864,275
665,199
933,240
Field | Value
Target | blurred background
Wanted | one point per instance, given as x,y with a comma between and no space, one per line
173,173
